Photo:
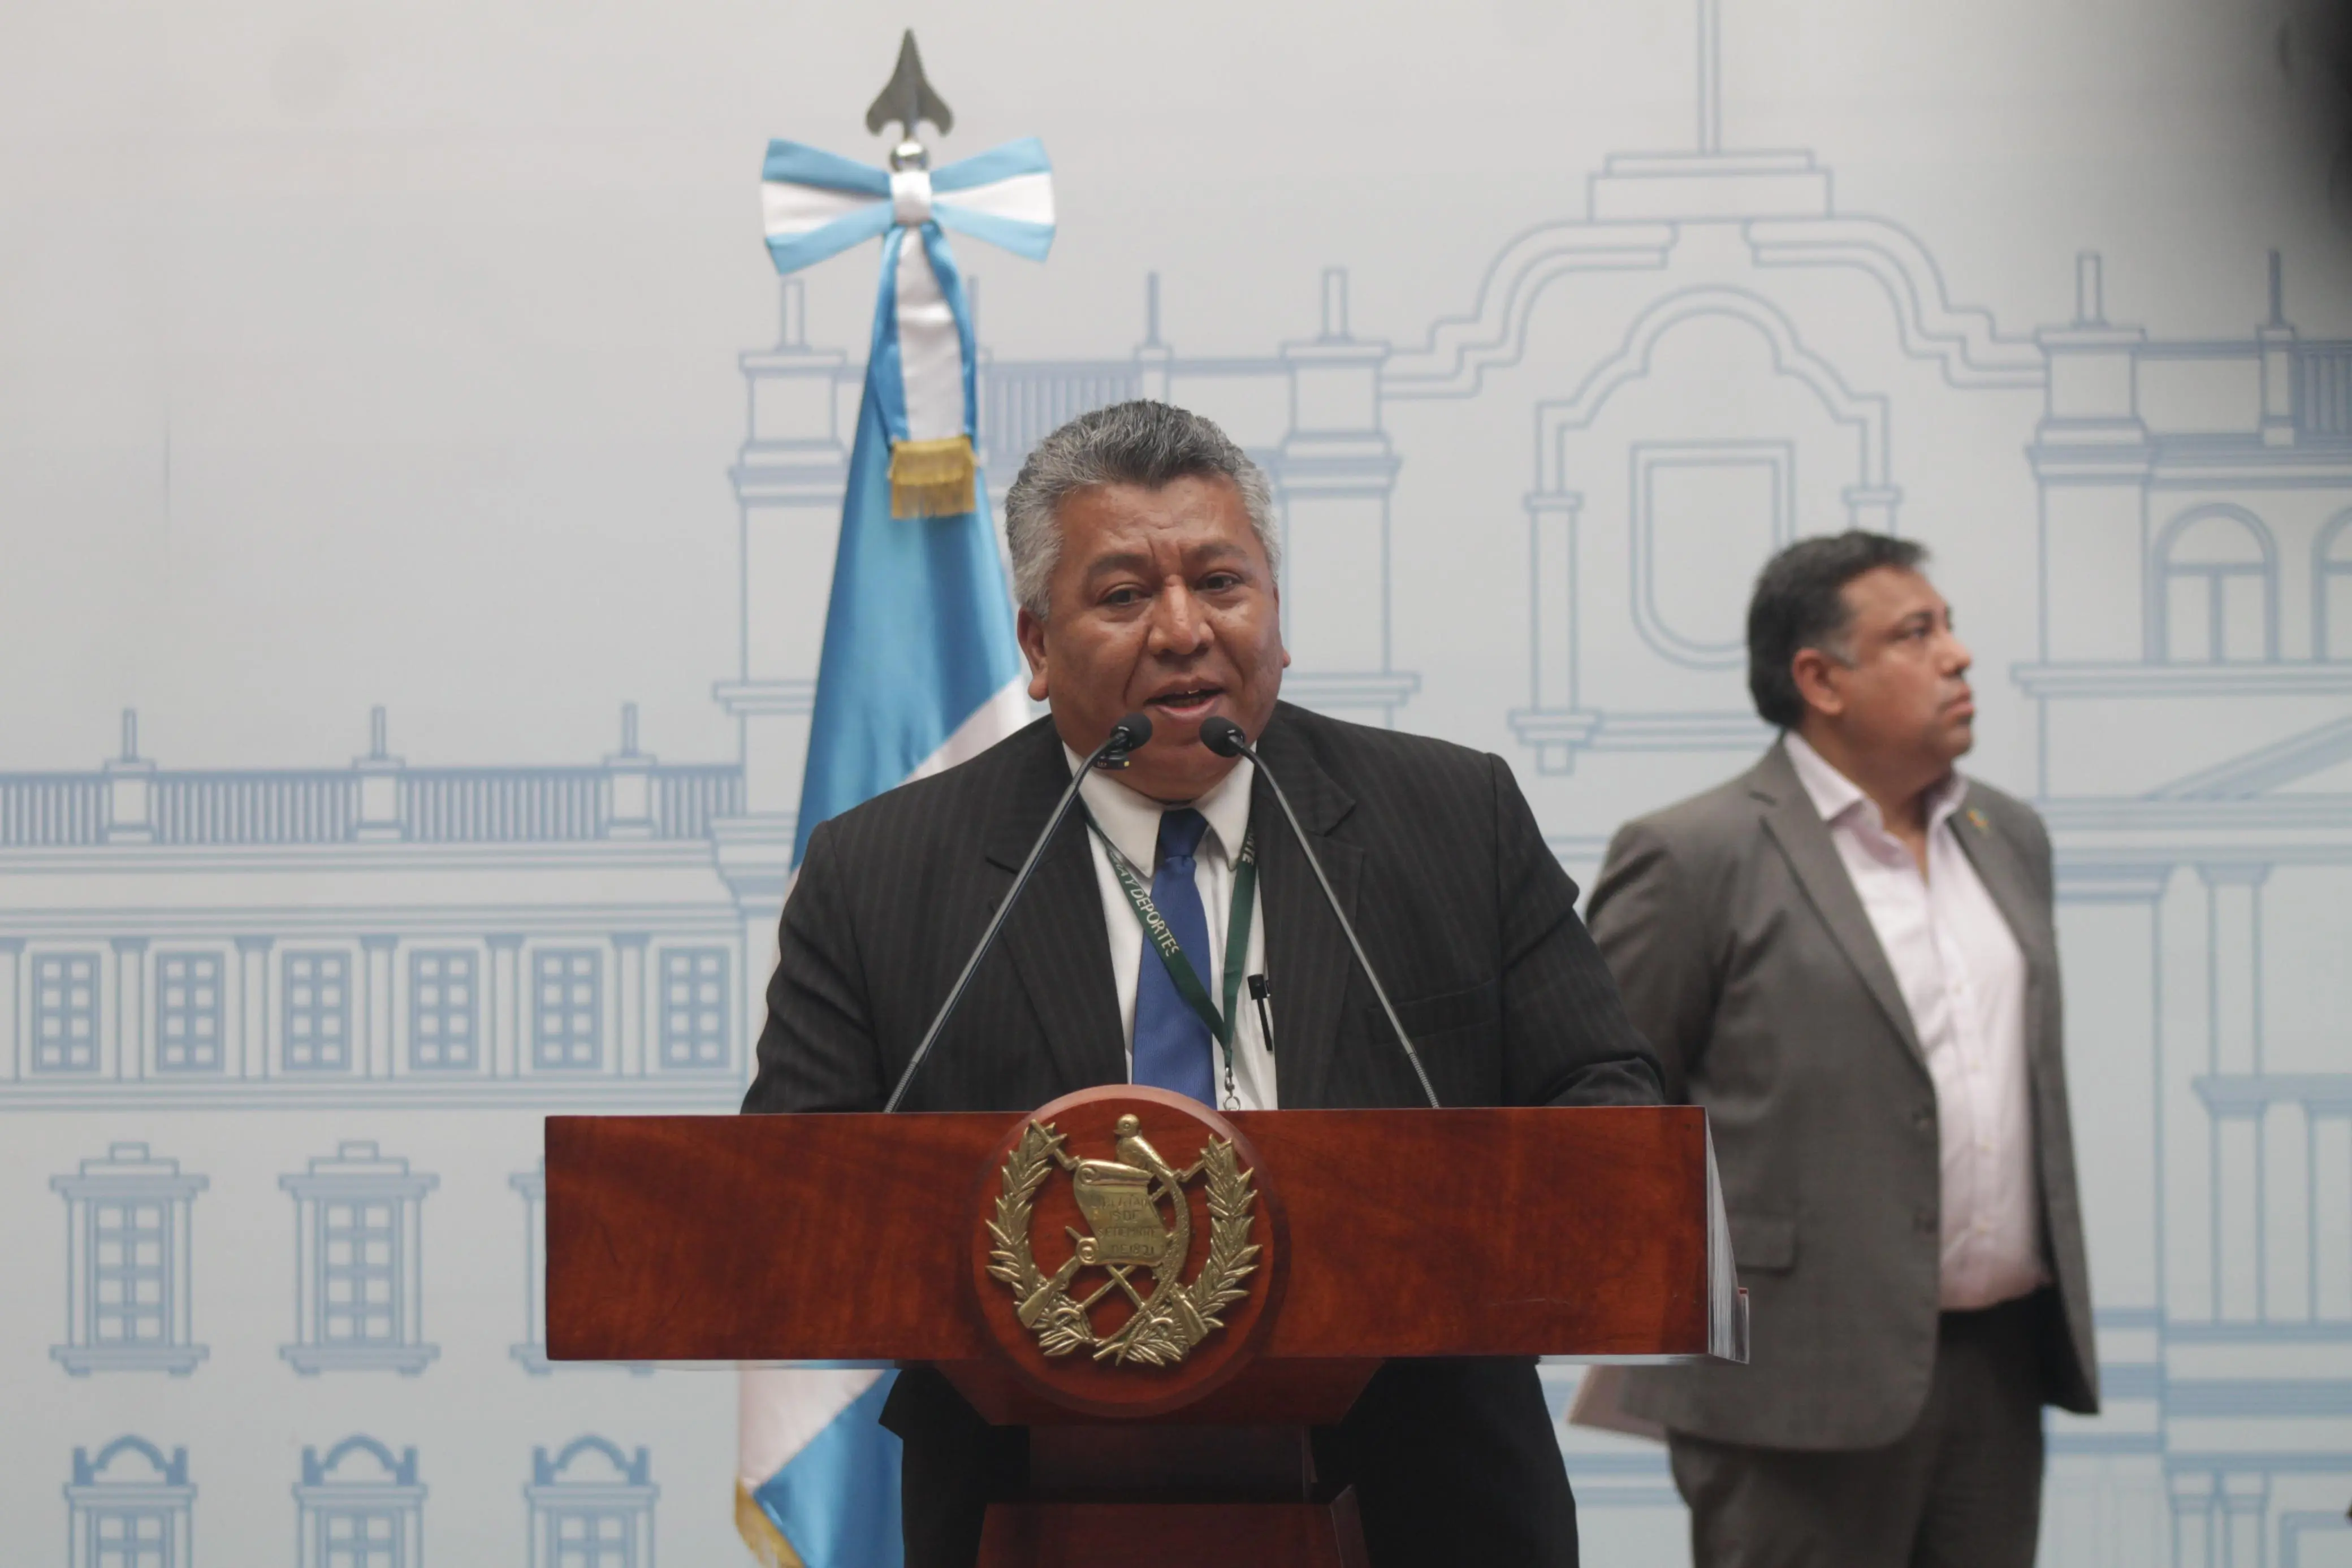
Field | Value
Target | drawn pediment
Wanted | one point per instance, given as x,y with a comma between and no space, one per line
2312,762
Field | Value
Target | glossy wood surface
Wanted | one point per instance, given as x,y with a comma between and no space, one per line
1469,1232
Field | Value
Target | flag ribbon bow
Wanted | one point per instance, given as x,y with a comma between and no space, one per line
920,369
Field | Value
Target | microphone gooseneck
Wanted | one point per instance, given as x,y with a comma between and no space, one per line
1132,731
1224,736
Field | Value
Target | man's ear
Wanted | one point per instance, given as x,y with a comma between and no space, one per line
1815,673
1030,631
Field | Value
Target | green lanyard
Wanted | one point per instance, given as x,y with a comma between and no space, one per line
1171,955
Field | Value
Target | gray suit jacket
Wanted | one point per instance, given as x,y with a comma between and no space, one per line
1745,956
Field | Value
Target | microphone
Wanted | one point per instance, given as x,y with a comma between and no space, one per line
1129,733
1224,736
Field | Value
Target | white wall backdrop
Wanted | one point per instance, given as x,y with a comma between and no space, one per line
416,503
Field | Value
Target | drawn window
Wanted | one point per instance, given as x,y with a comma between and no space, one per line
131,1538
592,1506
695,1001
129,1273
359,1272
1702,512
592,1537
188,991
362,1507
127,1240
2333,634
130,1506
318,1012
2219,591
567,996
65,1012
362,1538
443,1027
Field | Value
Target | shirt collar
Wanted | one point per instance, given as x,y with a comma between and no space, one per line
1834,795
1131,819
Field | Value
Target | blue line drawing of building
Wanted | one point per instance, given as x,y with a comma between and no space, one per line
1630,410
592,1506
129,1507
127,1232
360,1506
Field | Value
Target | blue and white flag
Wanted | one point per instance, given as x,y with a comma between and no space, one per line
920,671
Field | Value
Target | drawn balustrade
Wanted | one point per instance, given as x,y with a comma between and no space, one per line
1020,405
43,811
321,806
256,807
2324,403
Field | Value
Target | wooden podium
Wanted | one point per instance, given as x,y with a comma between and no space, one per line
1376,1234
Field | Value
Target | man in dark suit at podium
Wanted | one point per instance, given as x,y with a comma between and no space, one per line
1144,550
1848,956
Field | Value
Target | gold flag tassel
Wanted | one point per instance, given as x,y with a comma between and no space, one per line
759,1532
933,478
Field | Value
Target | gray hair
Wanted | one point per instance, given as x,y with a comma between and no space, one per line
1140,442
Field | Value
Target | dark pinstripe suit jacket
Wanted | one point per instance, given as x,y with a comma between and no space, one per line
1432,848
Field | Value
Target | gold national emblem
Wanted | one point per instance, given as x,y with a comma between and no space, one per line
1140,1218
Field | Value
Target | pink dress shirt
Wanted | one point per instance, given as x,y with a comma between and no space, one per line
1963,978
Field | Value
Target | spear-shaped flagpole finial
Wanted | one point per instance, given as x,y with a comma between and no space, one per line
909,101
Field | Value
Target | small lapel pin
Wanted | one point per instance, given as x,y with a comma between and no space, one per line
1976,820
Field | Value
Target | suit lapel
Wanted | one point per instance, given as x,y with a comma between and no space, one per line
1055,937
1797,828
1306,957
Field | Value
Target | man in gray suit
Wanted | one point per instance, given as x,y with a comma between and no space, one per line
1847,955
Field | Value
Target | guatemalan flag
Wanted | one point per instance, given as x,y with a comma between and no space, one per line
919,671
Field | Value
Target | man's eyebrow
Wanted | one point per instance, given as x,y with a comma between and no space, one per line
1125,561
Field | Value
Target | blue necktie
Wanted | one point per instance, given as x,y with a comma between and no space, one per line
1171,1043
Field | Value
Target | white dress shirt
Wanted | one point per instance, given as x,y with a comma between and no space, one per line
1132,821
1963,978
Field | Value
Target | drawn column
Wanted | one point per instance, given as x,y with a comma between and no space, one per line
130,789
1334,474
631,999
376,1005
130,1006
1553,723
2195,1543
628,785
381,818
11,1022
253,1006
2091,453
2233,1003
505,1025
1154,360
788,482
531,1352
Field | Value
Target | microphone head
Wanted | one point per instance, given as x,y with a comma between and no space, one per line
1130,733
1223,736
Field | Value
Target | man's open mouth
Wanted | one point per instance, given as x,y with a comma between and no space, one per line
1192,702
